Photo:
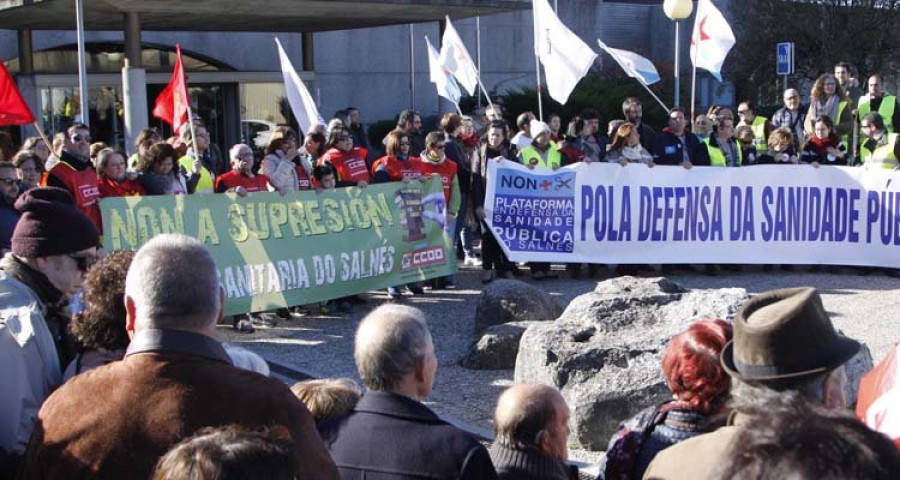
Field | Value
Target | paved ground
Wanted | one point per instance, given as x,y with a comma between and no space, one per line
865,308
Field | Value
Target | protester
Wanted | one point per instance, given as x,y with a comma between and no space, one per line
171,383
583,133
676,146
348,161
781,149
793,438
98,331
743,135
522,139
279,165
146,137
312,150
198,153
597,140
494,147
329,397
53,245
828,99
9,216
75,173
231,452
395,357
848,83
435,162
634,113
29,168
240,179
531,429
410,123
722,147
699,387
160,175
876,101
96,147
702,127
791,116
555,123
451,124
824,146
760,126
37,146
783,342
113,179
879,148
357,130
626,147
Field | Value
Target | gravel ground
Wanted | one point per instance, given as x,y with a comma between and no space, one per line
863,307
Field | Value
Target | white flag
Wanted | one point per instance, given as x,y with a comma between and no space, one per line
712,39
455,59
634,65
301,101
566,59
445,83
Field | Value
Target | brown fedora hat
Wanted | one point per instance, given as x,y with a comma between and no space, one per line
783,334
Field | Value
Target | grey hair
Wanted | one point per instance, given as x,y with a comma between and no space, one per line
174,284
521,417
390,343
236,149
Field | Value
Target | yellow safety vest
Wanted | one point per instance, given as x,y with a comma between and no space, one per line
886,109
717,156
845,139
759,133
882,156
554,158
205,184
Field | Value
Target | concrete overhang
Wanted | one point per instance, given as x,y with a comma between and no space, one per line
244,15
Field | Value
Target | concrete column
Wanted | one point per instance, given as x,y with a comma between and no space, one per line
309,53
26,52
25,80
133,39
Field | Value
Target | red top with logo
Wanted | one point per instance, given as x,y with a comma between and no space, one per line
350,166
234,179
397,169
126,188
82,184
446,170
304,180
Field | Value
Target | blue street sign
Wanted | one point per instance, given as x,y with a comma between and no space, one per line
784,54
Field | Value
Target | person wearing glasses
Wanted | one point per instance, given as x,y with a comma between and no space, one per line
240,179
759,125
53,246
827,98
9,216
824,147
75,173
880,148
348,161
791,116
278,163
435,162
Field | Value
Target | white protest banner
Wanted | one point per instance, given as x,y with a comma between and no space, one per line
769,214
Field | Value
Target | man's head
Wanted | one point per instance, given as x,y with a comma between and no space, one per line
523,122
409,121
724,129
394,351
494,112
78,140
202,142
540,132
784,340
533,416
592,117
842,72
55,238
435,142
9,182
172,285
747,112
792,99
632,110
876,88
676,121
872,125
241,158
353,116
702,125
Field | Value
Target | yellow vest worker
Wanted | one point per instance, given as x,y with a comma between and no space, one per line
882,155
886,109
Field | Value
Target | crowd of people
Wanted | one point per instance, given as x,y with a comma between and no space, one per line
135,384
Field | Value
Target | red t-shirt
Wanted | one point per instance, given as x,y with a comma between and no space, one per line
397,169
446,170
234,179
350,166
126,188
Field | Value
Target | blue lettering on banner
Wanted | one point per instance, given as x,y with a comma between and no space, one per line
535,213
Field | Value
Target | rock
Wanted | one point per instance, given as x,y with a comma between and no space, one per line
505,301
605,350
856,368
497,348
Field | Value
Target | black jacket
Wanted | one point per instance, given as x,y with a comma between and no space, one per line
667,149
389,436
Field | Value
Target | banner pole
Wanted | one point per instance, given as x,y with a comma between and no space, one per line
43,137
654,96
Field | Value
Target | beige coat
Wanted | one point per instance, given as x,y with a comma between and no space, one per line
697,458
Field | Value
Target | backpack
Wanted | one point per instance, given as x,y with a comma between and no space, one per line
622,455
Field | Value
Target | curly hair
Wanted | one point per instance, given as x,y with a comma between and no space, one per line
155,156
101,325
818,88
691,365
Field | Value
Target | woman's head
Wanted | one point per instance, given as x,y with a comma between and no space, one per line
744,134
623,137
467,127
340,139
28,168
160,159
781,139
314,143
397,143
283,138
496,133
823,127
451,123
101,326
37,146
145,138
826,86
110,164
692,368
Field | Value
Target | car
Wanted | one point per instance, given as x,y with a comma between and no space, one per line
257,133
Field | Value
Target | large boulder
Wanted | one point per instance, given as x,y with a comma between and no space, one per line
497,348
505,301
605,350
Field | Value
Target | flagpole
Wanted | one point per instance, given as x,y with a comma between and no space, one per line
663,105
488,97
537,61
82,68
43,137
458,110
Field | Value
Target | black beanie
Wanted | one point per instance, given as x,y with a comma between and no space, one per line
51,225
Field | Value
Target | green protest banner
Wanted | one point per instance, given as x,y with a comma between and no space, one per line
274,251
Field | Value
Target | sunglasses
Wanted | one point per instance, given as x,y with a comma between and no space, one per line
83,262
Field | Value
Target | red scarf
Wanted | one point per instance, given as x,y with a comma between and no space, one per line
819,146
470,142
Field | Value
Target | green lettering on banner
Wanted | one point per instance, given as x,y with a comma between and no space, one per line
274,251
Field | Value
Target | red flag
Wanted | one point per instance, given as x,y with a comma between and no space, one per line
13,109
173,103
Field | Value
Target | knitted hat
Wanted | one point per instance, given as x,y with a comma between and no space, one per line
51,225
538,127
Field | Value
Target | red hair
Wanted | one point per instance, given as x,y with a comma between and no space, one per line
691,365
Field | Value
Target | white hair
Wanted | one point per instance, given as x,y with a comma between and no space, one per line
173,283
390,342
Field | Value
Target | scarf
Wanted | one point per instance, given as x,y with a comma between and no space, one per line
828,107
632,154
428,158
470,142
819,146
